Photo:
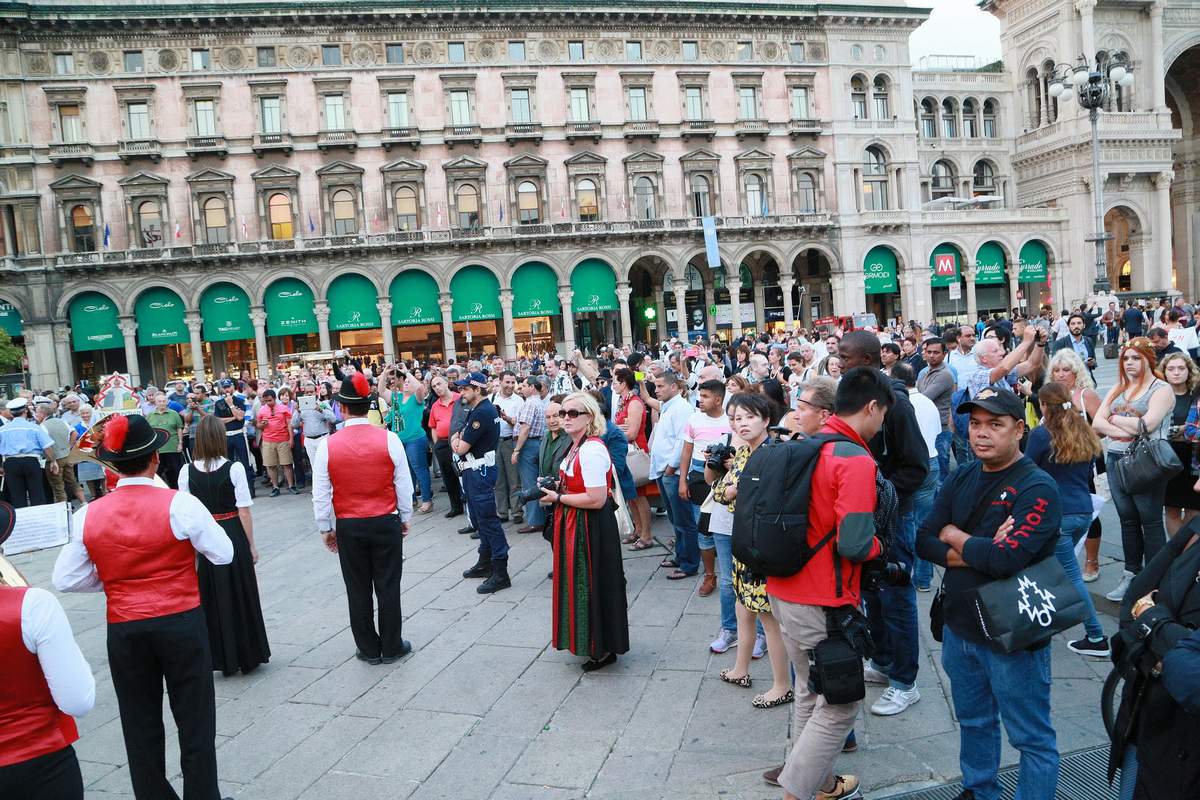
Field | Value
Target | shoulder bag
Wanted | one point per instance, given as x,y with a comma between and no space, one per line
1147,462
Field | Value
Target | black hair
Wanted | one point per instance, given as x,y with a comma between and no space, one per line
903,371
598,396
505,373
134,465
936,341
950,337
890,347
754,402
535,383
625,376
1084,321
716,387
863,342
269,394
858,387
773,390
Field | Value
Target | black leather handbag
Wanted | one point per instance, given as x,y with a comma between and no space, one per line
1147,462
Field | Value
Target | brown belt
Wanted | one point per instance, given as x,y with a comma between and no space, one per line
225,516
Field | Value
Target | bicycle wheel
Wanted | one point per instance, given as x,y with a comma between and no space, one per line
1110,700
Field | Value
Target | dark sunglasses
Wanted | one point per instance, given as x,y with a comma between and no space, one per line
575,413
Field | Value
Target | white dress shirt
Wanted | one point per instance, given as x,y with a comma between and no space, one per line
190,520
666,440
237,475
322,488
929,419
511,406
46,634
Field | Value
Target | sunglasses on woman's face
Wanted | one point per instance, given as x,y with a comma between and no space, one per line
575,413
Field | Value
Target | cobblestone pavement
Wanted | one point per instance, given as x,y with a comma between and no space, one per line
485,708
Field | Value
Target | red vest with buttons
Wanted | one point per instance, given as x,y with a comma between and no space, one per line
360,469
147,572
31,725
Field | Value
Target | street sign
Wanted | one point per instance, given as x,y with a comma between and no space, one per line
955,291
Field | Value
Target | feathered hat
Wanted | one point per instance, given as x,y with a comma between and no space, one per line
355,391
129,436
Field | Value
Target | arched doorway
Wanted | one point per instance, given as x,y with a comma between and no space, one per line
535,307
881,282
416,315
163,339
1182,86
812,297
1124,248
648,301
291,318
594,304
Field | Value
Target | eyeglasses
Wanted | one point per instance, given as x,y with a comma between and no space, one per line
812,405
575,413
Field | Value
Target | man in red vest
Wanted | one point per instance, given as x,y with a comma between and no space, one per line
138,545
44,683
362,501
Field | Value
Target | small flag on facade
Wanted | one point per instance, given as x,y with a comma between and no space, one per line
107,235
178,232
311,227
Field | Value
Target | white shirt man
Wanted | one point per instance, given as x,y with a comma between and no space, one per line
962,357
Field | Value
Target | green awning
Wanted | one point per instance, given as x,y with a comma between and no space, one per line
879,271
414,296
944,266
160,318
989,264
595,287
94,323
476,294
10,319
1033,263
352,304
225,310
535,291
289,305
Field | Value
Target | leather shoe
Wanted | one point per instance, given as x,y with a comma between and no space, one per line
708,585
771,776
467,529
452,513
528,529
405,649
361,656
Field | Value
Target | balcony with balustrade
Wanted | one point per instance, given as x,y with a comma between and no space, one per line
339,138
206,146
804,127
130,149
515,132
641,129
698,128
758,126
586,129
407,135
64,152
272,143
469,135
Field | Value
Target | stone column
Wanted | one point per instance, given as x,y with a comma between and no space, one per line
1014,286
384,307
39,349
566,295
735,305
681,318
710,321
760,306
1158,71
321,309
128,327
446,303
660,315
62,354
258,317
972,303
509,338
195,325
787,285
1164,253
1088,30
624,292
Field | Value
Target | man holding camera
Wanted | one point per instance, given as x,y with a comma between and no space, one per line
992,518
829,586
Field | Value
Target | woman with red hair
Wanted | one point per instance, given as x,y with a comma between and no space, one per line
1139,399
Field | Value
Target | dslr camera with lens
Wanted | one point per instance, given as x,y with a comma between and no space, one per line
718,453
880,572
534,495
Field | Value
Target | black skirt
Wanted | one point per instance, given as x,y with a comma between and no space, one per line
1179,488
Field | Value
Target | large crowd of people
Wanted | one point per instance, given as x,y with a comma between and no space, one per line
945,459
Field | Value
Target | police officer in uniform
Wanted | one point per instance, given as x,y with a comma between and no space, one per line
477,443
24,444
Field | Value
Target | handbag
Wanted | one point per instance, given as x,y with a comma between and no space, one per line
1024,610
1147,462
624,520
638,461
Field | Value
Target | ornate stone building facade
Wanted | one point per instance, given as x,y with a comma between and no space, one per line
191,192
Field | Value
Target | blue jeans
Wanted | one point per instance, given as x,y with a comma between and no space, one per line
1142,531
684,517
1074,527
418,464
922,503
989,687
527,469
892,610
724,547
943,443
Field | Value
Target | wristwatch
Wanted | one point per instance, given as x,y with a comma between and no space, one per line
1142,605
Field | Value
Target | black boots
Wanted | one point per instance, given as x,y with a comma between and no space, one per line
482,568
498,579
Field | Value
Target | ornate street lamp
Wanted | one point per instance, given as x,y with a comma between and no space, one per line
1092,86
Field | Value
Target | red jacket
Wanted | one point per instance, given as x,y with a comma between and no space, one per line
842,497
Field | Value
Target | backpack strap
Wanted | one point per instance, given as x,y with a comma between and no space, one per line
826,438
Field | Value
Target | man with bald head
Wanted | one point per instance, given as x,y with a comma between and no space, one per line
1002,371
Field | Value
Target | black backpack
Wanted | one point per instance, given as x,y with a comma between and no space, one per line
770,526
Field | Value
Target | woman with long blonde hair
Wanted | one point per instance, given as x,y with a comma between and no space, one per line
1065,446
1181,501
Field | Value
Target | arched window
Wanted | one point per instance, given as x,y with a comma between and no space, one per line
756,196
279,208
806,193
858,97
216,221
875,180
345,215
1051,102
643,198
941,182
701,196
989,119
929,109
589,200
408,214
83,229
466,201
529,208
949,118
695,281
983,179
1033,97
149,224
881,97
970,112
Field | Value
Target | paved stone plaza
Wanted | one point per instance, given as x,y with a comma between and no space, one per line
486,708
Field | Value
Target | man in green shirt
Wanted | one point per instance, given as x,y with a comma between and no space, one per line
170,457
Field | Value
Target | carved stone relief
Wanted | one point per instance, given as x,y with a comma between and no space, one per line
168,60
299,56
98,62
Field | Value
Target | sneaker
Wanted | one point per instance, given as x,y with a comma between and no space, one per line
274,492
725,640
1088,647
760,647
893,701
921,588
851,743
293,490
844,786
872,675
1118,594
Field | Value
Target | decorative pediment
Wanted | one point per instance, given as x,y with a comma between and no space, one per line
465,165
75,183
807,153
340,168
402,165
699,154
588,158
754,154
144,180
526,162
274,173
643,157
210,176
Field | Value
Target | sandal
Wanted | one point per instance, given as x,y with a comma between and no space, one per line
667,563
1091,570
761,701
638,544
745,682
630,539
679,575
